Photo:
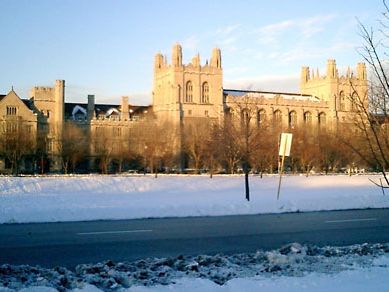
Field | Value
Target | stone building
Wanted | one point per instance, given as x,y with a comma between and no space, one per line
181,93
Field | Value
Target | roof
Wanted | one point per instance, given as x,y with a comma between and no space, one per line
28,103
268,94
1,96
103,108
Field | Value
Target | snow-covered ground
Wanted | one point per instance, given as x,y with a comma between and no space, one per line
291,268
67,198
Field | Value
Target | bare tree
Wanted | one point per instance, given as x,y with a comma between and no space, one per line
156,142
371,108
244,134
197,133
73,146
17,144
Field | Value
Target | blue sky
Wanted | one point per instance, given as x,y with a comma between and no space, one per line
107,47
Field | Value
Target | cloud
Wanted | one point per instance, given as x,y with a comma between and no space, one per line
270,33
228,29
314,25
275,33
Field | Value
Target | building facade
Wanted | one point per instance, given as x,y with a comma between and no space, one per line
181,93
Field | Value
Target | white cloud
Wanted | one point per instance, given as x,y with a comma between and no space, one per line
274,34
314,25
228,29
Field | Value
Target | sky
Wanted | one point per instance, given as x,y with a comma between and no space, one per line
107,47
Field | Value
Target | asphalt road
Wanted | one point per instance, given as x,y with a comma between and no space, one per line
72,243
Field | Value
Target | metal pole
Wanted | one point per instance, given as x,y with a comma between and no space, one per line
282,168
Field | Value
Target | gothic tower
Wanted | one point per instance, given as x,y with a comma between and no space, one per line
185,91
338,91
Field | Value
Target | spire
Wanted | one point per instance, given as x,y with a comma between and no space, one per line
304,74
332,72
216,59
177,55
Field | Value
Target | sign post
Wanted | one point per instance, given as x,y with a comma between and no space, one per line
285,145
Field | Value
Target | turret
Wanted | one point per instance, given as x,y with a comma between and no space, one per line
59,99
158,61
304,75
331,69
177,55
216,59
361,71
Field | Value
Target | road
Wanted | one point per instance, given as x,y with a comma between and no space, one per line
71,243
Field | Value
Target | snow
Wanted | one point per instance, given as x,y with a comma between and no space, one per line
303,268
96,197
291,268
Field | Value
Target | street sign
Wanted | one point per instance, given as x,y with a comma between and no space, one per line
285,144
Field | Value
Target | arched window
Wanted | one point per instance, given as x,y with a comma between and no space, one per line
245,118
277,118
189,92
322,120
261,118
308,118
342,101
205,93
354,102
292,122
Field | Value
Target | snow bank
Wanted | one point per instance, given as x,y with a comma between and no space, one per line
302,268
67,198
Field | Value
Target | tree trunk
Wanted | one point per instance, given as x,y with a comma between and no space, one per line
246,183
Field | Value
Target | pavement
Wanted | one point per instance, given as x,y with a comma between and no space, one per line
71,243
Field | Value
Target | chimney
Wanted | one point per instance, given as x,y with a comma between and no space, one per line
91,107
125,115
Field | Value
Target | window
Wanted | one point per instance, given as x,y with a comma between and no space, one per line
206,113
354,100
292,119
189,112
117,132
205,93
11,127
99,131
342,101
11,110
245,118
307,118
189,92
261,118
322,120
277,118
29,129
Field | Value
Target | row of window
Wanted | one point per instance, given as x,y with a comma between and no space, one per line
343,101
204,95
116,131
277,118
11,111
